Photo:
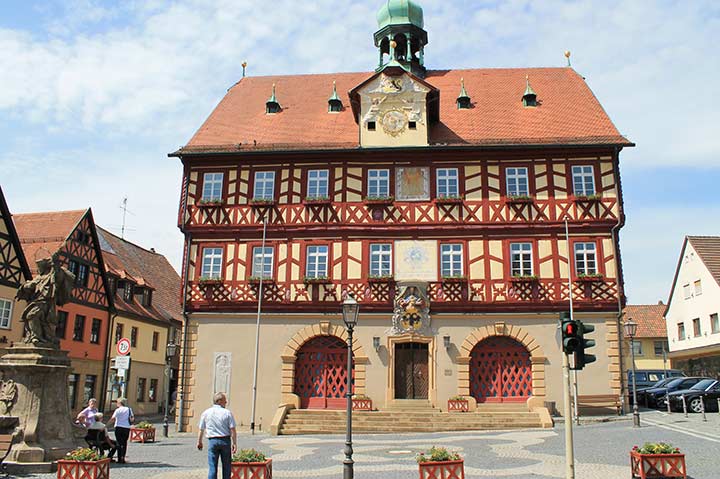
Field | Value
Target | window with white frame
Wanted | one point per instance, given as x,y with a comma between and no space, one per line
521,259
714,323
212,263
5,313
262,262
380,259
583,180
378,183
264,187
585,262
516,180
316,265
212,187
687,291
318,181
637,348
451,260
447,183
698,287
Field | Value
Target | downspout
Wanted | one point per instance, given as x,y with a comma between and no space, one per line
621,283
112,314
186,320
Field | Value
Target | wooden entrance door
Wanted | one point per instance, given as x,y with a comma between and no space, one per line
321,373
411,371
500,371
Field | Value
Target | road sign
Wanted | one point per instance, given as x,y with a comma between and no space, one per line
122,362
121,373
123,347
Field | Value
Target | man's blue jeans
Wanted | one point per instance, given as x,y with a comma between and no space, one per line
219,447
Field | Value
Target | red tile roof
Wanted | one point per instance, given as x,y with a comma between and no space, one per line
144,267
41,234
567,112
649,318
708,248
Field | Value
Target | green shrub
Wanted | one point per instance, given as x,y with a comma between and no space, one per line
83,454
656,448
248,455
143,425
437,454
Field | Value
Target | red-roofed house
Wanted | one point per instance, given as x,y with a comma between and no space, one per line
436,197
650,342
82,323
693,327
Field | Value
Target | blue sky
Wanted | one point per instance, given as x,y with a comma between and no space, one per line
93,95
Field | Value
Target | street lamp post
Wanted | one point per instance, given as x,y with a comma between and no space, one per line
350,310
169,354
630,327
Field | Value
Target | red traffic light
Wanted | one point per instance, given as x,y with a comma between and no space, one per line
570,329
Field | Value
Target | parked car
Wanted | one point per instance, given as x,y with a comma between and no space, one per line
641,392
645,378
707,390
656,396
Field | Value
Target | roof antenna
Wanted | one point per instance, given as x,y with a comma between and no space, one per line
567,55
244,64
125,212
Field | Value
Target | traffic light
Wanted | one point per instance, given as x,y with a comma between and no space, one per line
569,328
582,358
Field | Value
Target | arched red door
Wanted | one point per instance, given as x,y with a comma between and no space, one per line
320,373
500,371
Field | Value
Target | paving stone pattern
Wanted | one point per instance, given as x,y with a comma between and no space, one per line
601,452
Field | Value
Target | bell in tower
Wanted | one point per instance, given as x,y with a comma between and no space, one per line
401,38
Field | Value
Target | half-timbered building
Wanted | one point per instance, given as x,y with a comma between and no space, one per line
438,198
14,271
83,322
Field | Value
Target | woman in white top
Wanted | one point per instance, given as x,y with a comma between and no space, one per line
123,417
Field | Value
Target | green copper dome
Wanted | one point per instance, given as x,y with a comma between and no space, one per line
400,12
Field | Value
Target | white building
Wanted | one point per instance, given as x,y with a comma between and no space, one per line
693,327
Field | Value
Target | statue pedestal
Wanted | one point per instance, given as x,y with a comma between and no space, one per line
45,427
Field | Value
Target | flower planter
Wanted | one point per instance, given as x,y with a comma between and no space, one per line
458,405
316,280
590,279
142,435
317,201
257,280
442,470
251,470
209,204
448,200
261,203
657,465
381,279
588,199
519,199
362,404
454,280
524,279
378,201
83,469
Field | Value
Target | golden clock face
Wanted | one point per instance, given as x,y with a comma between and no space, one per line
394,122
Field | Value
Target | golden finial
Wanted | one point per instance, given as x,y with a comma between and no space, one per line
244,64
567,55
393,44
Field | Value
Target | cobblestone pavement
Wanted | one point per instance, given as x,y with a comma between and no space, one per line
601,451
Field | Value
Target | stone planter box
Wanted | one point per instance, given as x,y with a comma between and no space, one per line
364,404
657,465
142,435
442,470
251,470
458,405
83,469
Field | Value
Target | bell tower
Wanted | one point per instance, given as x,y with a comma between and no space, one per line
401,38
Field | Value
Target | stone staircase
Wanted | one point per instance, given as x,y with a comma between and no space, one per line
398,418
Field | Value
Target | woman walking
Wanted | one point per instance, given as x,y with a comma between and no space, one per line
123,417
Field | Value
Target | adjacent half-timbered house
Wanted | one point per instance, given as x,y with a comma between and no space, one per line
82,323
14,271
438,198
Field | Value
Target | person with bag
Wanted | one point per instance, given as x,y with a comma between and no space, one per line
123,417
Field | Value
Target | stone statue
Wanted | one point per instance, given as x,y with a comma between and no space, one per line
412,312
50,288
8,394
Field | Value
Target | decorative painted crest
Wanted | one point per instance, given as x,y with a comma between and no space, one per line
412,311
394,122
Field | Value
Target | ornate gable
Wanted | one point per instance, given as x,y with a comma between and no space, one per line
14,269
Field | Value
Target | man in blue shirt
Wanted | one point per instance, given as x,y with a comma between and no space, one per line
218,425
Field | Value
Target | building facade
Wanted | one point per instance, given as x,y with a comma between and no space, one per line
147,312
693,327
83,322
438,199
650,342
14,271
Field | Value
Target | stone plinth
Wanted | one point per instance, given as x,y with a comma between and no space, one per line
44,432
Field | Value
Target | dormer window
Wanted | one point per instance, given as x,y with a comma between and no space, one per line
128,292
463,100
272,105
529,97
334,102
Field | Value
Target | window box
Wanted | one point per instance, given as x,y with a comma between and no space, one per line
454,279
525,278
317,200
262,202
381,279
210,203
142,434
71,469
458,404
589,278
316,280
588,198
519,199
361,403
450,199
207,280
256,279
657,465
379,200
